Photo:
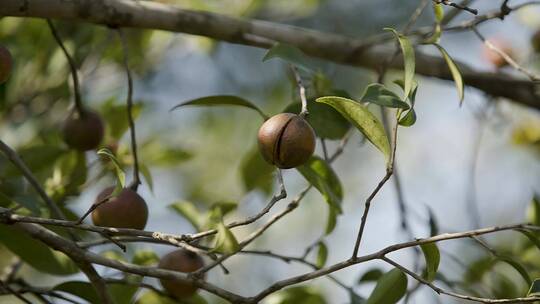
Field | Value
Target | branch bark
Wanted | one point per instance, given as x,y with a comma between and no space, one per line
332,47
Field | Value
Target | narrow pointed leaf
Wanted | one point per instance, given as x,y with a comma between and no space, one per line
362,119
120,175
378,94
322,255
408,60
225,240
290,54
318,173
456,74
433,257
390,288
221,100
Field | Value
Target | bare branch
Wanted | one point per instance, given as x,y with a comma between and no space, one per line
458,6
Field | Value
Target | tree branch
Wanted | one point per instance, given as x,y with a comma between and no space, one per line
332,47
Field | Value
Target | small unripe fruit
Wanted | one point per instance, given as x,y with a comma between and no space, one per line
126,210
6,64
535,41
184,261
84,132
286,140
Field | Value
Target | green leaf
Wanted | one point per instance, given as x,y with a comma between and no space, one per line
189,212
297,295
408,60
531,237
120,175
35,253
477,269
362,119
322,255
256,172
113,255
390,288
517,266
533,212
456,74
318,173
290,54
433,257
534,291
408,119
37,158
28,202
225,241
121,293
378,94
155,154
438,11
371,275
152,297
220,209
115,115
327,122
145,258
433,224
221,100
331,222
147,176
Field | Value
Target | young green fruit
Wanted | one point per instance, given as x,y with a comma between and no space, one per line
286,140
126,210
6,64
84,132
184,261
535,41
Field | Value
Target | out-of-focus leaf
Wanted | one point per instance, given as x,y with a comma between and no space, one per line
390,288
331,222
220,209
155,154
371,275
115,116
533,212
225,240
113,255
517,266
297,295
147,176
433,257
189,212
221,100
322,255
378,94
325,120
152,297
433,224
27,201
408,58
362,119
121,293
456,74
290,54
145,258
476,270
120,175
35,253
256,172
356,299
534,290
36,158
323,178
533,238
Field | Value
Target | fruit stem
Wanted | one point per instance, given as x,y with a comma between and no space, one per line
77,91
302,91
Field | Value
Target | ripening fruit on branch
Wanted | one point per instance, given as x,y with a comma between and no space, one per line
184,261
126,210
493,57
6,64
286,140
83,132
535,41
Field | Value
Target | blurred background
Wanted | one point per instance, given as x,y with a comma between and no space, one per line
460,168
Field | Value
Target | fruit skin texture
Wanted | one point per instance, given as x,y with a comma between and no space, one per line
85,132
126,210
286,140
535,41
6,64
183,261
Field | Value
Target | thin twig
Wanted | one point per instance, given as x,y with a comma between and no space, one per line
301,91
76,87
92,208
136,177
457,5
13,292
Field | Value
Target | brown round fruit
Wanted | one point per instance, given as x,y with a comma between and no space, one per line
535,41
183,261
83,132
126,210
6,64
286,140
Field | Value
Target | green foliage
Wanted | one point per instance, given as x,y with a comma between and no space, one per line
325,120
225,240
409,60
297,295
456,74
433,257
362,119
371,275
36,254
152,297
116,118
121,293
322,254
378,94
256,173
390,288
222,100
189,211
120,175
145,258
290,54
